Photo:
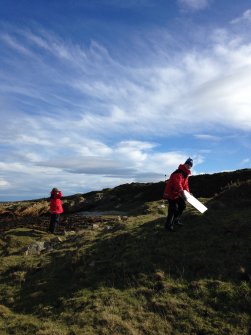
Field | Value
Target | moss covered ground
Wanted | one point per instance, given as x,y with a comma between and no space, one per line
131,277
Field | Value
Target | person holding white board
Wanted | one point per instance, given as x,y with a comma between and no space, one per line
175,195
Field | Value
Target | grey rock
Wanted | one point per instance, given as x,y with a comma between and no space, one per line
35,248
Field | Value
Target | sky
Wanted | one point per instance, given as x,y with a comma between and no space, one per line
99,93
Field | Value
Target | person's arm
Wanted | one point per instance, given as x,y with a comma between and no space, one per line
186,186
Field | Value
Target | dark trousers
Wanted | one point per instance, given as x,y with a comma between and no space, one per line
54,222
175,209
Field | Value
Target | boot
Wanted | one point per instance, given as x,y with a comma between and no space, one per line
169,227
178,222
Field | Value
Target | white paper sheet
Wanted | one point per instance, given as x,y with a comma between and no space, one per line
195,202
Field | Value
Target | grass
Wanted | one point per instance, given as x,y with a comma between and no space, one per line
134,278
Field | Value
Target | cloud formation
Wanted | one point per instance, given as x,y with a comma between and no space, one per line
194,4
87,115
245,17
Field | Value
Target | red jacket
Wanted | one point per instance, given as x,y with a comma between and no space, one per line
56,203
177,182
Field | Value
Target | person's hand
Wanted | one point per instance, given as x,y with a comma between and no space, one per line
183,196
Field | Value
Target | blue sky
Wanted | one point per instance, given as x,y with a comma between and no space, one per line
99,93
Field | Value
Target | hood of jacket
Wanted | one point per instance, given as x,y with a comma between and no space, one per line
184,169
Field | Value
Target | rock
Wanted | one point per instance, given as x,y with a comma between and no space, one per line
35,248
56,239
42,246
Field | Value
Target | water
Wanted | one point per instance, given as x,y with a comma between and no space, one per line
104,213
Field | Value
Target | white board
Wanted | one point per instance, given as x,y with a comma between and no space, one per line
195,202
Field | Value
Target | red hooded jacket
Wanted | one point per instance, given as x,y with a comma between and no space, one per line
55,203
177,182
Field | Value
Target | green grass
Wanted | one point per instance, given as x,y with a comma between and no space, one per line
134,278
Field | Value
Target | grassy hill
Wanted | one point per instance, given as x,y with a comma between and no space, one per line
125,274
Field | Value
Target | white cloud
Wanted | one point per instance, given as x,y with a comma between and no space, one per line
245,161
150,98
207,137
245,17
194,4
133,160
74,174
3,184
13,43
24,139
83,112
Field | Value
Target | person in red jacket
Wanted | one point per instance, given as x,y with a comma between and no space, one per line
174,194
56,209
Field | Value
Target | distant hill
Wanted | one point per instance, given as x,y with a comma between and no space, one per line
129,197
207,185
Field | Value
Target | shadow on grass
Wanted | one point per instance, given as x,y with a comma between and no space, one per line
203,248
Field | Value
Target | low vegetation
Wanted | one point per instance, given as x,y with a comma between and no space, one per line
127,275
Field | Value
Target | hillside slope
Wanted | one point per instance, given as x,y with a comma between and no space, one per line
130,276
127,197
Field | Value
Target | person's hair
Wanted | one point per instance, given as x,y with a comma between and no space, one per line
53,192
